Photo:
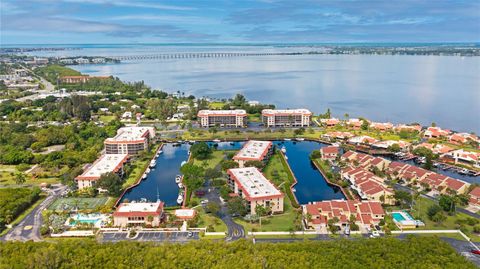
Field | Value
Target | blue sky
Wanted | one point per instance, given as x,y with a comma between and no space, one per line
201,21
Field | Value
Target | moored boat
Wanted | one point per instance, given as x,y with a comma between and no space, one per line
284,149
180,185
287,139
178,179
216,140
180,199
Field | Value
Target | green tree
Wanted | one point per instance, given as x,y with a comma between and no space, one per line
201,151
193,176
112,182
394,148
257,164
228,164
261,211
212,208
237,205
20,178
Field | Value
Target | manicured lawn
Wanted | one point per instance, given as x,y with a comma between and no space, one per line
254,117
8,172
214,160
297,236
216,105
209,219
107,118
282,222
62,204
420,211
277,171
140,166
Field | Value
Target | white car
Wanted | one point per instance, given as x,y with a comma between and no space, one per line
375,234
204,201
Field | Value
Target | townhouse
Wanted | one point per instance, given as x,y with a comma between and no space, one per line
254,150
436,149
362,213
330,122
436,132
368,185
408,128
381,126
362,140
250,184
329,153
462,138
337,135
461,156
286,117
475,197
356,124
222,118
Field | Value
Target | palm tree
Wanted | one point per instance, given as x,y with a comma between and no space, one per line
20,178
346,115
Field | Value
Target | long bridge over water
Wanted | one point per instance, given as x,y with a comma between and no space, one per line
203,55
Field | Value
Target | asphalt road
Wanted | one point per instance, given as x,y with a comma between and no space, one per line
153,236
235,231
29,227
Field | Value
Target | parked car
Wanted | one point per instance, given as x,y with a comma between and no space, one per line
204,202
475,251
374,234
346,231
189,234
377,227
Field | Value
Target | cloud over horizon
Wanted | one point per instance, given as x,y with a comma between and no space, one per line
108,21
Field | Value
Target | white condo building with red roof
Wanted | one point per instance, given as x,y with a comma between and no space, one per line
222,118
105,164
286,117
250,184
129,140
254,150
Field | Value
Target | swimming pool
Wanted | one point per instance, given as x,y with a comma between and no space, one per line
398,216
95,219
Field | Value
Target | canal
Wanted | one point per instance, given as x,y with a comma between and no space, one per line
311,184
162,177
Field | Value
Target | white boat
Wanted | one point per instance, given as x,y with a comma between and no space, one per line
300,139
464,171
284,149
178,179
216,140
286,158
144,176
180,185
147,171
180,199
336,144
183,163
287,139
153,163
294,190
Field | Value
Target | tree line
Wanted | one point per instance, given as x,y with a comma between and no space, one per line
424,252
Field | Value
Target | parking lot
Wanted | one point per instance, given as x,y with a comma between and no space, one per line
155,236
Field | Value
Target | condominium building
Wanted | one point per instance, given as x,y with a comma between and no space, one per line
129,140
105,164
250,184
286,117
222,118
137,214
254,151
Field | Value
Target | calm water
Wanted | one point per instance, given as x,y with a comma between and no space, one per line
162,177
311,184
424,89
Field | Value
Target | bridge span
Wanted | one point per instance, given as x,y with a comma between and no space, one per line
202,55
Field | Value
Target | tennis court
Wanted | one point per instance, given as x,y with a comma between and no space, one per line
62,204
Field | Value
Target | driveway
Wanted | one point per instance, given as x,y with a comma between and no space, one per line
235,231
29,227
149,236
